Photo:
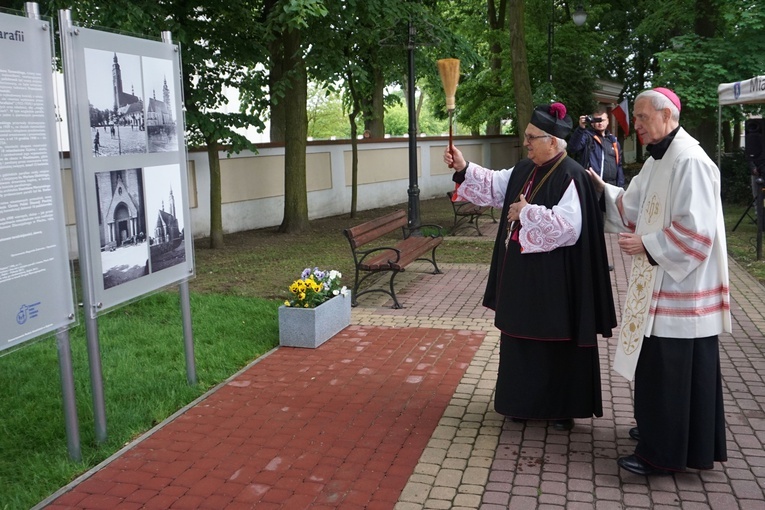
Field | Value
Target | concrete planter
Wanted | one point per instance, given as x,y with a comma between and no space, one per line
311,327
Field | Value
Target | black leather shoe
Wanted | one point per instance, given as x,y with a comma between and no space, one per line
635,433
563,424
518,420
634,465
610,267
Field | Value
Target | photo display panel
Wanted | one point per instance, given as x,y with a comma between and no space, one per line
130,121
35,272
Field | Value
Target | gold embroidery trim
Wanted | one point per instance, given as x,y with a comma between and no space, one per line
638,302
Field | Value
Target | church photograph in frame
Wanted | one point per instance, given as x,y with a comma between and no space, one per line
115,103
139,241
122,226
164,207
161,117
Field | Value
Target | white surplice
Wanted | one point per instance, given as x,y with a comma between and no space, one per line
674,204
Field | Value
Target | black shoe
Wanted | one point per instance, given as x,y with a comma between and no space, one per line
634,465
518,420
563,424
610,267
635,433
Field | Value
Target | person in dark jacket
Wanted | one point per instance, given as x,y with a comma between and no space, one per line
598,148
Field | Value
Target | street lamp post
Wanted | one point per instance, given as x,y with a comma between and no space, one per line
579,16
414,190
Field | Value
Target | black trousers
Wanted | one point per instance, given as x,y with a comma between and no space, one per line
679,403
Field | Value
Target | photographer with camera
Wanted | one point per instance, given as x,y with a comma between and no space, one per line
597,148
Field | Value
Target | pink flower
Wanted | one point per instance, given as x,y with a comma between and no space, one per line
557,110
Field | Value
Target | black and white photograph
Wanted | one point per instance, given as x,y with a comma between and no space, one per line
115,103
122,226
161,125
164,207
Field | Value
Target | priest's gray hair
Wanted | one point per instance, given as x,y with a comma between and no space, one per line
560,142
659,101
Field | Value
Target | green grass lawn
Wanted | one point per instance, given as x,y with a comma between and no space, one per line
144,376
234,301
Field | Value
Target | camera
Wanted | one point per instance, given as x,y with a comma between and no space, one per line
589,119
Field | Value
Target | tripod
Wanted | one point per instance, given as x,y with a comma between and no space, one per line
760,219
746,213
758,207
753,203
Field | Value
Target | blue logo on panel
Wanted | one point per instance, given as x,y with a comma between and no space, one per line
27,312
737,89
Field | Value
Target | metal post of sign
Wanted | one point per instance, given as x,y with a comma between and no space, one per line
188,335
66,372
67,389
67,31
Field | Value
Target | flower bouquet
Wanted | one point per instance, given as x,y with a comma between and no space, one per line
314,287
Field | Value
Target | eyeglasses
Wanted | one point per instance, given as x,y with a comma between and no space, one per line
529,138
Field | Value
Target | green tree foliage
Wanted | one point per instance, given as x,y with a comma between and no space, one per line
479,39
325,114
731,49
689,45
397,119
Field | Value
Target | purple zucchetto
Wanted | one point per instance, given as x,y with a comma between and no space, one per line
669,94
552,119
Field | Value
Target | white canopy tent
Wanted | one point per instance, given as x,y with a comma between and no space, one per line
742,92
751,91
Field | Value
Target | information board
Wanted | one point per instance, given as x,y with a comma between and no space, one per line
35,273
128,111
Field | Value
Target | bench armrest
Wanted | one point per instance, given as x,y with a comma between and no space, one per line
365,253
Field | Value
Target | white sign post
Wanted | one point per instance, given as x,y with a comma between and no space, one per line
35,273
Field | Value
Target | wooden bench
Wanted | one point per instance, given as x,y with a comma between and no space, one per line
466,214
393,259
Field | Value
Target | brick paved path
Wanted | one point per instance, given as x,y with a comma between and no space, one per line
396,412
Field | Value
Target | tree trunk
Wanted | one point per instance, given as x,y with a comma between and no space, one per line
216,213
420,101
354,164
355,109
727,141
277,103
375,115
295,140
522,85
706,22
497,17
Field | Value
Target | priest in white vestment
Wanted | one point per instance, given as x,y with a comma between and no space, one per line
670,221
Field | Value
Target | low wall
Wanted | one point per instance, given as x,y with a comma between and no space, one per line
253,184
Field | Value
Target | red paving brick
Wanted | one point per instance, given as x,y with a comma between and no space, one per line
339,426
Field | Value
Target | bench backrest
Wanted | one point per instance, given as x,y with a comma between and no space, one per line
376,228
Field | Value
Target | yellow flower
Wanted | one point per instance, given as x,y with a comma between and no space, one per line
313,288
286,302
